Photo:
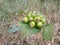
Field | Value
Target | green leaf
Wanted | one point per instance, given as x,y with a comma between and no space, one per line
13,28
26,30
48,32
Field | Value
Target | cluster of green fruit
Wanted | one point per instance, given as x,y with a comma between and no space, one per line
34,20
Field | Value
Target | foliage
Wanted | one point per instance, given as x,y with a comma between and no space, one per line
13,28
48,32
26,30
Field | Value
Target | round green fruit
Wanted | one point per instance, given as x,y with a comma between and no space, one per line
33,15
43,20
37,19
39,24
25,19
30,18
29,15
41,16
32,24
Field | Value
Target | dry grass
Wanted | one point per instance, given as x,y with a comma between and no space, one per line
50,10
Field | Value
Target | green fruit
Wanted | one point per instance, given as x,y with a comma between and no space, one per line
41,16
37,19
30,18
43,20
39,24
33,15
25,19
29,15
32,24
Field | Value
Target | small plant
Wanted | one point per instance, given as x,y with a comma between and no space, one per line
34,20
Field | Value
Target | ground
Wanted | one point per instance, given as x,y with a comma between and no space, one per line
49,9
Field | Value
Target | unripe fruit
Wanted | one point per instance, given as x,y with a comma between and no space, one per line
25,19
41,16
32,24
29,15
30,18
37,19
39,24
43,21
33,15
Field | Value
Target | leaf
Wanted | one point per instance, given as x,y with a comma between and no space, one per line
48,32
26,30
13,28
